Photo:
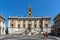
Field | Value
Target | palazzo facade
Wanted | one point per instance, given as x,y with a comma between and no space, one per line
57,24
20,24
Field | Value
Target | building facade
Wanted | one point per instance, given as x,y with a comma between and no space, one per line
52,30
57,24
33,24
2,25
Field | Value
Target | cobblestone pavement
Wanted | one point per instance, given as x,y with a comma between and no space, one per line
26,37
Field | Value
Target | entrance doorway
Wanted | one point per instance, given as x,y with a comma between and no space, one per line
29,27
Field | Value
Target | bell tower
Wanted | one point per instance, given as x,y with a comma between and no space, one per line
29,12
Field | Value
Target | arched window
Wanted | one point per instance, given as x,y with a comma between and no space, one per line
46,25
46,19
18,26
35,25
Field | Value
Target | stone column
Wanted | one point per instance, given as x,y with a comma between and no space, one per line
21,24
1,27
4,28
16,24
9,23
32,24
1,30
37,22
26,23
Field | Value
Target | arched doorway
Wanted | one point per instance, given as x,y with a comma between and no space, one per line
29,27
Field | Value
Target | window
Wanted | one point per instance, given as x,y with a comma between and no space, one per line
30,10
18,26
12,25
35,21
23,25
40,26
24,21
18,20
46,25
12,20
46,19
29,21
35,25
29,25
30,14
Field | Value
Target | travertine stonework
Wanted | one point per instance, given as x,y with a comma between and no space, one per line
46,22
29,22
17,22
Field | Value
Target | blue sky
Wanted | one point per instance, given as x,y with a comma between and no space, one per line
20,8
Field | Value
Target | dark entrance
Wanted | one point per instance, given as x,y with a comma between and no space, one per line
6,30
29,27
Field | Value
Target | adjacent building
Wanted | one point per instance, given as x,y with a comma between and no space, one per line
29,23
52,30
57,24
2,24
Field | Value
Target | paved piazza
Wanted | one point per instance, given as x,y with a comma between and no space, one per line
26,37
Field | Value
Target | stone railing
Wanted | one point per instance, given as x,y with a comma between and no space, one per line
16,30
